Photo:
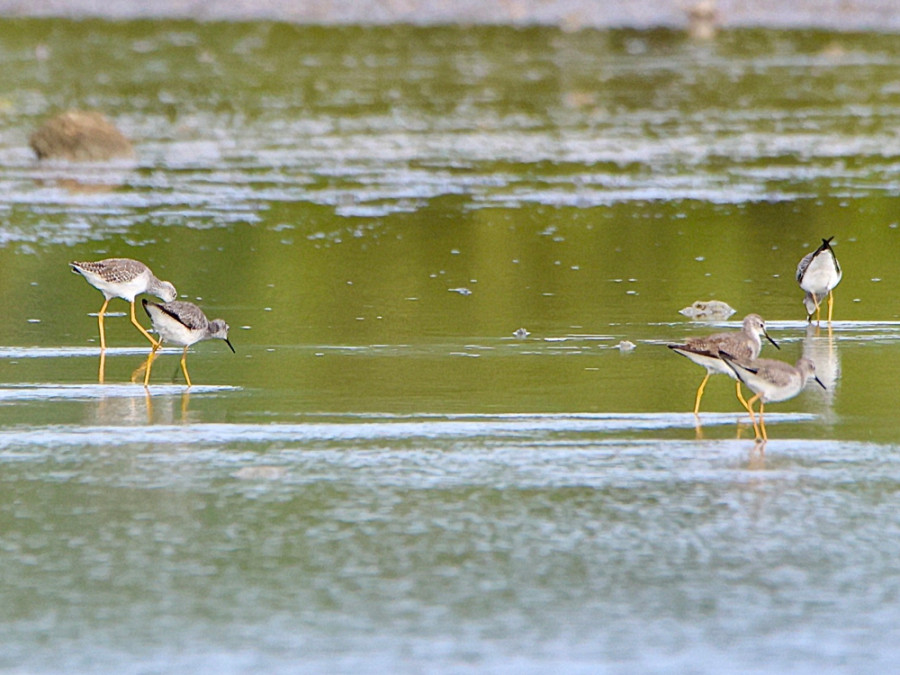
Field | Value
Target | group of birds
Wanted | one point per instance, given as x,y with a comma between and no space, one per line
176,322
736,354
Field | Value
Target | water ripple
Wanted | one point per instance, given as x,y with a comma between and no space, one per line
427,427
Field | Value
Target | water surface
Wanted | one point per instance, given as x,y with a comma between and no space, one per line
384,478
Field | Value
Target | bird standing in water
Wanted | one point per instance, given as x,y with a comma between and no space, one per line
123,278
818,273
772,381
743,345
183,324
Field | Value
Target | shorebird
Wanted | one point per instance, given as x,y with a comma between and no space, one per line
743,345
123,278
772,381
818,273
183,324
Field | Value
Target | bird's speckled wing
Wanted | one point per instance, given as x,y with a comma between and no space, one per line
186,313
734,344
776,372
113,270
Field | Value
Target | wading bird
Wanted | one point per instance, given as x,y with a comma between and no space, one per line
743,345
818,273
183,324
772,381
123,278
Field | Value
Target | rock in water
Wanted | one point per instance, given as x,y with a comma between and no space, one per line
80,136
708,309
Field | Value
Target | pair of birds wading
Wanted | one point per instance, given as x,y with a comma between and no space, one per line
736,354
176,322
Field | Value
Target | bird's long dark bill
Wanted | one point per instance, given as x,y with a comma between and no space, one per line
816,378
769,338
228,342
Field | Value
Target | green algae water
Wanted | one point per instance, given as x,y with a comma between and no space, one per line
388,475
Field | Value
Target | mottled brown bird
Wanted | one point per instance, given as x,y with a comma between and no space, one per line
743,345
123,278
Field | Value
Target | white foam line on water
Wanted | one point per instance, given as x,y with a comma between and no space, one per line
37,392
822,327
427,428
64,352
821,331
843,327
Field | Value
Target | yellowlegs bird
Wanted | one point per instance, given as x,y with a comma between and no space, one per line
743,345
183,324
772,381
123,278
818,273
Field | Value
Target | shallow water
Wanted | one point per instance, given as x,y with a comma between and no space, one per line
384,478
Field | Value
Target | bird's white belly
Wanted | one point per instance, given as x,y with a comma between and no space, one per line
774,395
821,276
127,290
174,332
713,365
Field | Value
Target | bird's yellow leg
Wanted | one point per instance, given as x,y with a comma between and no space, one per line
100,315
762,422
743,403
752,416
742,400
700,394
830,304
184,366
138,373
153,340
150,364
102,372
